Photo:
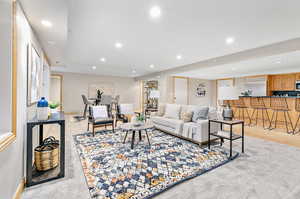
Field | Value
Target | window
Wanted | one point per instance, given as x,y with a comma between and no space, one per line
8,71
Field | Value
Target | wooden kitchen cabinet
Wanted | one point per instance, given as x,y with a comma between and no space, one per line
298,76
282,82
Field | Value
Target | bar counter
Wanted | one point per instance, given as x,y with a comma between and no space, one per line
290,100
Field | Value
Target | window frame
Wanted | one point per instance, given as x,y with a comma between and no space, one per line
5,142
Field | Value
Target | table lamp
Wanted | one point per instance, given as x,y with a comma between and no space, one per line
228,93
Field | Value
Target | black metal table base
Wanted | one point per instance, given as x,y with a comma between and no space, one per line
32,178
133,137
231,137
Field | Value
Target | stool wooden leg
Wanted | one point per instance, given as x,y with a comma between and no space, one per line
286,122
296,125
271,122
276,119
247,112
268,117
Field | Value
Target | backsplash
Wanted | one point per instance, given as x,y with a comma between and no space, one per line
286,93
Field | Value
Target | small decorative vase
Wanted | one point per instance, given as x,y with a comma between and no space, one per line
54,111
42,109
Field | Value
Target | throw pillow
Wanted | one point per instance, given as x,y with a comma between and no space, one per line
161,110
186,116
172,111
200,113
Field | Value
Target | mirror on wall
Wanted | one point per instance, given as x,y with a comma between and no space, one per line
7,73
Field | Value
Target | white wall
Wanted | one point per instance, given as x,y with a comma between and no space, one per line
12,158
165,86
209,99
5,62
75,84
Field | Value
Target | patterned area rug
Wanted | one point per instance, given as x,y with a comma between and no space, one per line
113,170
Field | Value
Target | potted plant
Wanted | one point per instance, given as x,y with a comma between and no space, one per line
139,120
53,107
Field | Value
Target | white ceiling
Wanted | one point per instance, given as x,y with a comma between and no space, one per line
195,29
53,39
283,63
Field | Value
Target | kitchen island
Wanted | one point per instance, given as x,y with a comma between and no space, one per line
269,102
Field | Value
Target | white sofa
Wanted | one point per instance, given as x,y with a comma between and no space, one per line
196,131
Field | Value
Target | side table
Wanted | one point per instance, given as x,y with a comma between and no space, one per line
227,135
34,177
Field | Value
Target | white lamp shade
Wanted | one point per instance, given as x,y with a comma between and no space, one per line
228,93
154,94
126,109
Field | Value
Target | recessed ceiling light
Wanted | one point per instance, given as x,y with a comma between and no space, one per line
151,66
118,45
94,67
133,71
103,59
179,57
46,23
278,62
155,12
233,68
157,76
230,40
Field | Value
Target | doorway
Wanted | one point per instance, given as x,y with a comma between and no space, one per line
181,90
56,90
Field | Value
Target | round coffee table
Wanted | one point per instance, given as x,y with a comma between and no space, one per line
126,127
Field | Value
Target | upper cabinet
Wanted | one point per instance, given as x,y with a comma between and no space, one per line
298,76
282,82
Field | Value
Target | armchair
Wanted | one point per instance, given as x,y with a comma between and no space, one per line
123,112
99,117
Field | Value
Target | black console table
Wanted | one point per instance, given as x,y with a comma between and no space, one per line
34,177
227,135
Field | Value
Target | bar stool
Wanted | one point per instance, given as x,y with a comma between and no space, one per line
297,107
280,105
258,105
240,110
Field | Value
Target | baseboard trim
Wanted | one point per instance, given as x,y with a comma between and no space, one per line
20,189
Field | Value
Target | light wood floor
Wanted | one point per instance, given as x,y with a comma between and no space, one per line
276,135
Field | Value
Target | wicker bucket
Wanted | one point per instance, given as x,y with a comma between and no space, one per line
46,156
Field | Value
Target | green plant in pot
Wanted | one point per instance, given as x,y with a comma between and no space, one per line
53,107
139,120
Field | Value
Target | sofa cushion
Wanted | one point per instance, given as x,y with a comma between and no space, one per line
186,116
172,111
173,124
161,110
200,113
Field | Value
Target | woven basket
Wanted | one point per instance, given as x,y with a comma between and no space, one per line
46,156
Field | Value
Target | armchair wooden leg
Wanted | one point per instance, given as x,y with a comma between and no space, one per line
88,128
93,131
113,128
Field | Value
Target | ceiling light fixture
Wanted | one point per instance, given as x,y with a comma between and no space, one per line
230,40
151,66
94,67
46,23
133,71
179,57
103,59
278,62
118,45
155,12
